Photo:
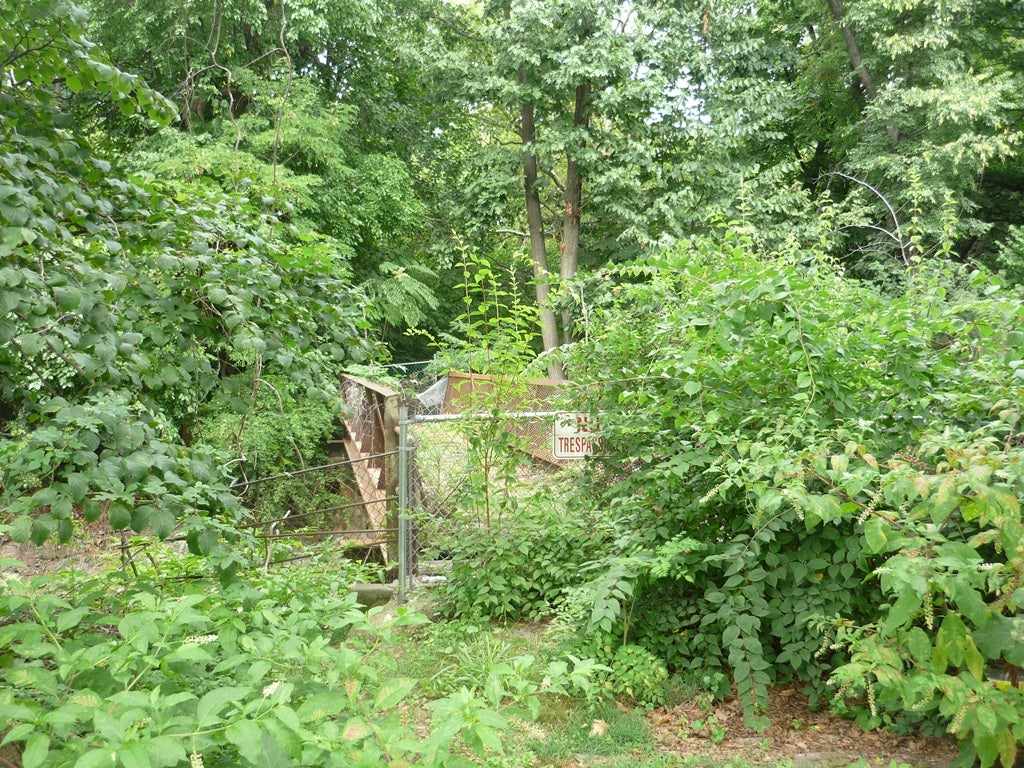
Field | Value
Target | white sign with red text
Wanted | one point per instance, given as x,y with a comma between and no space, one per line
574,436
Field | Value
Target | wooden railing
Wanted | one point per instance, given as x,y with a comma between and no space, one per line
371,444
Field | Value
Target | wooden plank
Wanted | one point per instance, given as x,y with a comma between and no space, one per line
465,390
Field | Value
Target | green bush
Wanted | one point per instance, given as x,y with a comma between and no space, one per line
807,479
635,674
522,571
275,669
271,428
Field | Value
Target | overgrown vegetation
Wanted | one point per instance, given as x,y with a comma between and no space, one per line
275,668
772,226
776,437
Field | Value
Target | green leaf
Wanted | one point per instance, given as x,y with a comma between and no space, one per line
135,756
140,517
21,529
974,660
944,500
31,344
356,729
987,747
322,705
876,532
970,603
120,516
161,523
247,737
918,645
392,692
488,737
1002,637
902,611
165,751
209,707
97,758
1008,747
70,619
42,527
37,748
18,732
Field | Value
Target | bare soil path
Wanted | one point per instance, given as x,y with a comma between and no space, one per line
809,739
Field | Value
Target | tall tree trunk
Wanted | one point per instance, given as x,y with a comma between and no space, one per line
538,243
573,202
857,61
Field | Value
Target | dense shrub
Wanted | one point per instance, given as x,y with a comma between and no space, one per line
807,479
279,668
521,572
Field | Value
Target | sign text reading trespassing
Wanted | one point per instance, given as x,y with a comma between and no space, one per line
574,436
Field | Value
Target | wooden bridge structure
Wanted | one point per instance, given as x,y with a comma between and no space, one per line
370,447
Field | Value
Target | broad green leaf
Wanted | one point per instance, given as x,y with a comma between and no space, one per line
918,645
952,637
392,692
165,751
31,344
322,705
70,619
970,603
161,523
987,746
247,737
135,755
1002,637
120,516
1008,747
974,660
209,707
356,729
37,749
97,758
19,732
903,611
876,532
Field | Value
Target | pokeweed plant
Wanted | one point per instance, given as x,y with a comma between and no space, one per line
948,643
280,668
728,384
500,332
514,554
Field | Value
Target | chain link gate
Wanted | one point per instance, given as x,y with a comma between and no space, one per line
460,474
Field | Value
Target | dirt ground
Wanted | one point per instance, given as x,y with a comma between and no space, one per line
809,739
91,550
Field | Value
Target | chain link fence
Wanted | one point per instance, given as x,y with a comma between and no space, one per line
467,474
409,479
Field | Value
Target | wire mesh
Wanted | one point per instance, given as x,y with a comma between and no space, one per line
470,474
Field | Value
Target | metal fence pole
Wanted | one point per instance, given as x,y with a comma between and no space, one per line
403,503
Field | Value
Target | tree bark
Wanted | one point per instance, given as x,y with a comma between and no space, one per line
570,256
538,243
867,82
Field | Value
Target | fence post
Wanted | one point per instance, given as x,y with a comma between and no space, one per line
403,503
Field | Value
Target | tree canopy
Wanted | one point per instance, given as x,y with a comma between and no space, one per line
127,300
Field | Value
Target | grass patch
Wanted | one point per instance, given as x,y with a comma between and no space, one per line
603,730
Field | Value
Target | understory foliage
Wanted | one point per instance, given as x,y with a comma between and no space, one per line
807,480
279,668
801,480
269,428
